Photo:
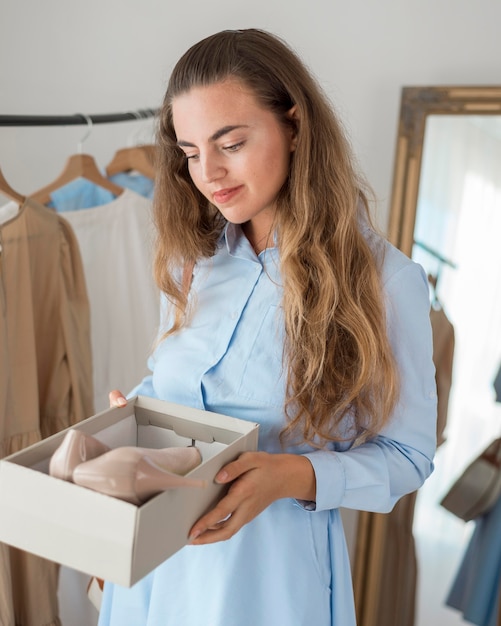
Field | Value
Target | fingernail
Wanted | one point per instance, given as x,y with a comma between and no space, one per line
194,535
121,401
221,477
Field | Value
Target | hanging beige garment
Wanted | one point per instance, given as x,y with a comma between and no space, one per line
386,567
443,357
45,374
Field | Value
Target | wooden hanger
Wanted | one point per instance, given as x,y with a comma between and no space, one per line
7,190
139,159
77,166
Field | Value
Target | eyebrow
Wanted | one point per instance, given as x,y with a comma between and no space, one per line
217,135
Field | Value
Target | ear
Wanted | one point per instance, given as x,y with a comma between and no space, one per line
293,118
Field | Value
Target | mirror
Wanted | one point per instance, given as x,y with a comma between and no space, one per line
446,215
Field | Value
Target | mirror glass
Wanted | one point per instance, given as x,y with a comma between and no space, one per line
446,215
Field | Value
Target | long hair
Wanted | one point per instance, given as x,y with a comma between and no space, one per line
337,355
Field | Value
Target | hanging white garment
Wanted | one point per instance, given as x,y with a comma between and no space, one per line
116,245
115,240
8,211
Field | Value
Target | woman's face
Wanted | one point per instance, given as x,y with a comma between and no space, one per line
238,152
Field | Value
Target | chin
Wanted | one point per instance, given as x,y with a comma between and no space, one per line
234,217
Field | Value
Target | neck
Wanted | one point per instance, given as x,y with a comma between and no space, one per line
261,244
257,239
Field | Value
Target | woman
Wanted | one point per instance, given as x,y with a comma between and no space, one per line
292,313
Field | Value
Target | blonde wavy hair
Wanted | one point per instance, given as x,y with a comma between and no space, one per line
337,355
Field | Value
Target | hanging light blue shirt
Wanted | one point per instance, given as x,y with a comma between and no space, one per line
78,194
142,185
84,194
290,565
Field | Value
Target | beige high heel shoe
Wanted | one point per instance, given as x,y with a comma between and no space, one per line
76,448
136,474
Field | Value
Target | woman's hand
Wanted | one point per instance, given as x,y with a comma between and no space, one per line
117,399
258,479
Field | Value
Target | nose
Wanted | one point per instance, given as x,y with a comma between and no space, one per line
211,167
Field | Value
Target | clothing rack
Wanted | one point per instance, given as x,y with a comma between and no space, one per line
76,119
438,256
434,279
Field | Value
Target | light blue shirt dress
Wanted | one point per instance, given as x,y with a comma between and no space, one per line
289,566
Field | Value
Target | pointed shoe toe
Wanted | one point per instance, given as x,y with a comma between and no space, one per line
76,448
131,475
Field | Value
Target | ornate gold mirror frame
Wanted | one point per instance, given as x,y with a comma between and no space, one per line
417,104
381,569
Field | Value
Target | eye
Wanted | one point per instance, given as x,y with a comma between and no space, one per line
191,157
234,147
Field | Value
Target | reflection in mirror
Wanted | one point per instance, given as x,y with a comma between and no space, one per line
446,214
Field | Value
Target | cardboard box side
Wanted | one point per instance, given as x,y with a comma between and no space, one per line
41,450
66,523
165,521
218,421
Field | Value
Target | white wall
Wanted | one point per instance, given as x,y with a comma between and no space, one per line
99,56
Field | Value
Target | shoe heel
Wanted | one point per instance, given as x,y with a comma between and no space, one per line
152,479
76,448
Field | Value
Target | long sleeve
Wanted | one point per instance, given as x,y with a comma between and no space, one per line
144,388
375,475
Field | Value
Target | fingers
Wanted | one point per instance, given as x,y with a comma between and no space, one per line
218,525
222,531
245,462
117,399
245,499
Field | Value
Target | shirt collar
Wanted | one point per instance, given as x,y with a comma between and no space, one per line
237,243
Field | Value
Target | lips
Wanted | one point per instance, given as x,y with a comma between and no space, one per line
225,195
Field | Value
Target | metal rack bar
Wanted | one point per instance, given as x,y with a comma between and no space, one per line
76,119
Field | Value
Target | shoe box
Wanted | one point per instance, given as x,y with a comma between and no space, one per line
104,536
